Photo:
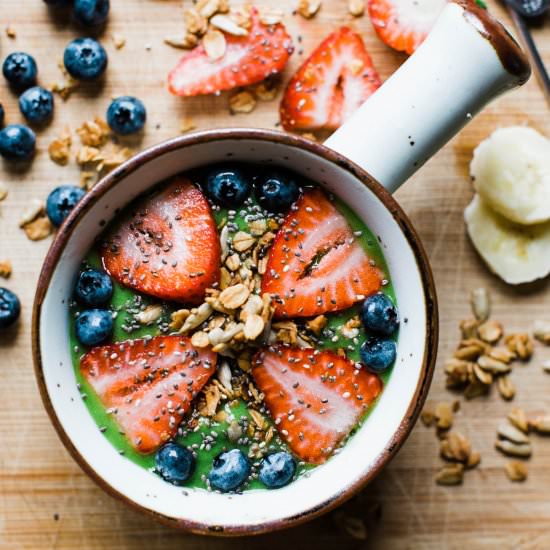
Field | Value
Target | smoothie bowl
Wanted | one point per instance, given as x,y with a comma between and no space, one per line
236,329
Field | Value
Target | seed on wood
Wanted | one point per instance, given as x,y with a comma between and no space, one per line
506,387
450,474
507,431
490,331
522,450
518,418
481,303
516,470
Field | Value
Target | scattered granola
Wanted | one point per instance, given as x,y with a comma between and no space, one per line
60,148
3,192
516,470
65,87
443,416
450,474
356,7
185,41
119,41
228,25
541,331
5,268
481,303
38,229
308,8
10,32
94,133
521,344
186,125
242,102
214,44
34,209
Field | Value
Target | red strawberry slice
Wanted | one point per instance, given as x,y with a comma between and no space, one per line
264,51
404,24
148,384
316,265
333,82
314,397
167,245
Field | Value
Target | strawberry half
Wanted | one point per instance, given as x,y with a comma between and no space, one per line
264,51
404,24
167,245
148,384
314,397
316,265
332,83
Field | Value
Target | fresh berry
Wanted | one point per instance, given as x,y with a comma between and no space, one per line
378,353
404,24
228,186
229,470
85,59
93,288
316,265
36,105
167,245
379,314
2,115
276,191
94,326
332,83
175,463
61,201
314,398
264,51
126,115
277,470
20,70
91,13
10,308
148,384
17,142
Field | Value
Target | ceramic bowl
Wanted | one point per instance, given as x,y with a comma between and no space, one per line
379,137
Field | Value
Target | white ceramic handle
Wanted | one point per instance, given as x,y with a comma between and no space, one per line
467,60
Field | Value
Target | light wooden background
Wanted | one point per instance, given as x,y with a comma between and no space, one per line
47,502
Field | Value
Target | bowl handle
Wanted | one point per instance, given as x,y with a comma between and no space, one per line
467,60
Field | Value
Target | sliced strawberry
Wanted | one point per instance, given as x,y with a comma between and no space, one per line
264,51
148,385
404,24
316,265
314,397
332,83
167,246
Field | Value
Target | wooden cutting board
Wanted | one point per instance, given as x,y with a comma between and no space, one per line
45,499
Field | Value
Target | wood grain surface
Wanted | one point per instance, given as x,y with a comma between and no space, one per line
45,499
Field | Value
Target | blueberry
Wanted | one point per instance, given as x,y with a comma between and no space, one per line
175,463
17,142
378,353
2,115
91,13
228,186
126,115
229,470
61,201
94,326
20,70
10,308
93,288
85,59
379,315
276,191
36,105
277,470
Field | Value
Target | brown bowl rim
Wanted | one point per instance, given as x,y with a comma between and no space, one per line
236,134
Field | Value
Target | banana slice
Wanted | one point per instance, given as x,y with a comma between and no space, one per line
516,253
511,172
